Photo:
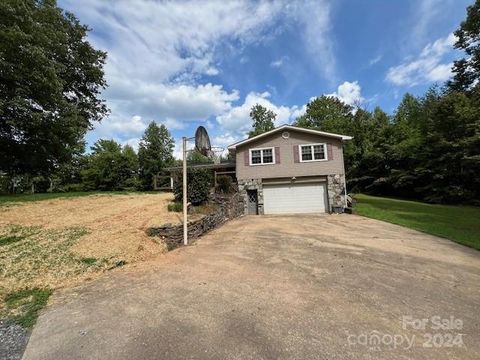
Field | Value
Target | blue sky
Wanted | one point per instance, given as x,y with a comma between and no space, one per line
190,63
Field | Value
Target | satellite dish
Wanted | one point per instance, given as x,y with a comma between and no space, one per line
202,141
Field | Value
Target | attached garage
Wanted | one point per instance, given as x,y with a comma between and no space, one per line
295,198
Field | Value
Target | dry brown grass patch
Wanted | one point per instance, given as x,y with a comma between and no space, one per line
56,243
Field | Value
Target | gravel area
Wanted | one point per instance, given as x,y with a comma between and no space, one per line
13,340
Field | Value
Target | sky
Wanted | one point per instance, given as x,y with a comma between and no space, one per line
190,63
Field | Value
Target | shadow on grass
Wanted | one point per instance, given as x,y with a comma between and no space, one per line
26,304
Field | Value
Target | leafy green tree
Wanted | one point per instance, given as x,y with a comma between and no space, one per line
199,182
194,157
263,120
50,83
326,113
467,70
407,131
453,154
129,169
68,176
110,167
155,153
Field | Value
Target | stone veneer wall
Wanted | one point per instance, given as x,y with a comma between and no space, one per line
229,207
251,184
336,191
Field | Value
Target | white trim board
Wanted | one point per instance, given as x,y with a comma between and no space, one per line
292,128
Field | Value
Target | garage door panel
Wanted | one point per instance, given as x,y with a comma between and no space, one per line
294,198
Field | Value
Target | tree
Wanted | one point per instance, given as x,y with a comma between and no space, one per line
68,176
129,169
199,182
110,167
326,113
453,155
50,82
467,70
263,120
195,157
155,152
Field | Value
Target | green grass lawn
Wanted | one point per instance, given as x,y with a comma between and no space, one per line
458,223
40,196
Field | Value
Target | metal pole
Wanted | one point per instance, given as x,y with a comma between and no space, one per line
185,225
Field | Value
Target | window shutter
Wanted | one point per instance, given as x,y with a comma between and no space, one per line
329,152
296,158
277,155
246,156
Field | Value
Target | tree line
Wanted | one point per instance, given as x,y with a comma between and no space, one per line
428,149
108,166
51,81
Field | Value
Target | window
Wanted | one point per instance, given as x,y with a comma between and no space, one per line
313,152
262,156
256,156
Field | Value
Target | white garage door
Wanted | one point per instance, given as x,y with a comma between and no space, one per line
294,198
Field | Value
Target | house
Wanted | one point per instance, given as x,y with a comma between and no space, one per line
291,170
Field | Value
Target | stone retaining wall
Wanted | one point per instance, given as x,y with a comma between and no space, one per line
229,207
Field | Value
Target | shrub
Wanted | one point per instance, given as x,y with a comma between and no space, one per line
175,207
224,184
198,180
41,184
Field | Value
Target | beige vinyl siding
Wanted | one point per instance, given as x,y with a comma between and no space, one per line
287,167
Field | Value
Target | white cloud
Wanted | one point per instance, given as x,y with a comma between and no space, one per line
279,62
317,38
237,120
440,72
172,36
171,105
173,124
133,142
221,143
181,102
121,126
158,51
427,67
349,93
425,12
375,60
427,17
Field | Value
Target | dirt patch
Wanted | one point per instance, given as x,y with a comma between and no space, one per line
115,223
57,243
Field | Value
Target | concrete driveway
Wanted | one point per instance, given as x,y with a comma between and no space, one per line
283,287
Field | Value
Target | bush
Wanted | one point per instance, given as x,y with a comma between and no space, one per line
41,184
175,207
69,188
199,182
5,184
224,184
131,184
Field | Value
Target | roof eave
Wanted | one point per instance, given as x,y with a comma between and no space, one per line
245,141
